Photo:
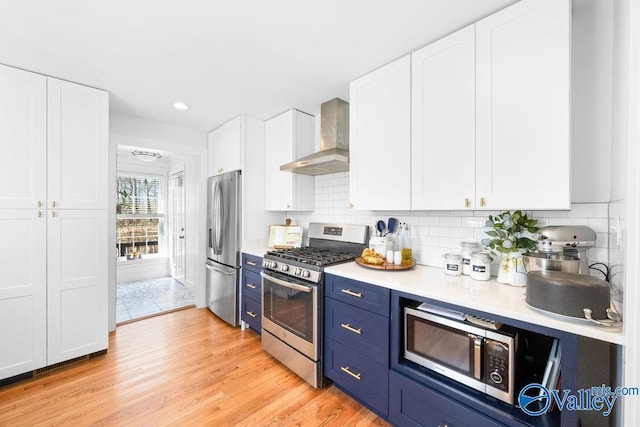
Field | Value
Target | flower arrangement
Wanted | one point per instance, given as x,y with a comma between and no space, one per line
508,232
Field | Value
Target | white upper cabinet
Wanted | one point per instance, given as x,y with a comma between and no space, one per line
225,147
379,138
288,136
77,146
523,106
23,139
443,123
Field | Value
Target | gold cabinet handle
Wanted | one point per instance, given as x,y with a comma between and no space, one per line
467,202
53,214
353,294
53,204
346,369
39,214
483,202
288,206
39,204
251,286
350,328
252,314
252,263
351,205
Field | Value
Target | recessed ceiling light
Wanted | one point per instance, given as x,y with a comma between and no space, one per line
180,106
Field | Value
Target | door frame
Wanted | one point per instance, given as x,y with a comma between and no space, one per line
181,277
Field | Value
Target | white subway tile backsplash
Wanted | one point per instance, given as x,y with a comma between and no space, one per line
434,233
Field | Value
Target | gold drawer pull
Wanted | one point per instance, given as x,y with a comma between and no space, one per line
252,314
39,214
350,372
53,214
467,203
252,263
353,294
483,202
251,286
350,328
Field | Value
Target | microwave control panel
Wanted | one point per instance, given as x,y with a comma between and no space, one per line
496,364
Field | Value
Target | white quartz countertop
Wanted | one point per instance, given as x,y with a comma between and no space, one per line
259,251
487,296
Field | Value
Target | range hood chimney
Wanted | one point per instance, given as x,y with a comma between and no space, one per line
333,156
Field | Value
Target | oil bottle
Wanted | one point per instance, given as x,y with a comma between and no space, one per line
404,244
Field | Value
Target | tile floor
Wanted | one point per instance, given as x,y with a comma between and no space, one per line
143,298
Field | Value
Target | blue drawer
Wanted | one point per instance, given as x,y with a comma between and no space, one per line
366,380
251,285
361,330
359,294
252,314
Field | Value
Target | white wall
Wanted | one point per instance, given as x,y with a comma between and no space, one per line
186,145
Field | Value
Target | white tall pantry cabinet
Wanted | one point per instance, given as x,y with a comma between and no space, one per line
53,221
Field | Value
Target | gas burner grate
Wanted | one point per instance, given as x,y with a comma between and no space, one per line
313,256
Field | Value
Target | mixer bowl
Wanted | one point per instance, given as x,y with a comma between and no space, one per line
537,261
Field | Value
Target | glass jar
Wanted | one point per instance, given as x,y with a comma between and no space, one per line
468,246
480,265
453,263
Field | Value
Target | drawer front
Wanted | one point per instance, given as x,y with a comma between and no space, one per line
252,313
359,376
360,294
358,329
251,262
413,404
251,285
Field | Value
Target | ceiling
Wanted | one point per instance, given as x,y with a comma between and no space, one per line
223,58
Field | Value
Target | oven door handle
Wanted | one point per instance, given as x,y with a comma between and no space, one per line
286,284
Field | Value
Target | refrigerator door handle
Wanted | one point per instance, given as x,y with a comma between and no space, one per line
217,270
217,219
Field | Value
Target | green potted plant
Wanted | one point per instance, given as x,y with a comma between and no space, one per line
511,235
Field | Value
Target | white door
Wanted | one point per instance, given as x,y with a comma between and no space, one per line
522,106
443,139
77,243
177,225
77,133
380,138
23,139
23,291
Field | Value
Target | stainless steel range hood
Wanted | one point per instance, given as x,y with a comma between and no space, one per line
333,156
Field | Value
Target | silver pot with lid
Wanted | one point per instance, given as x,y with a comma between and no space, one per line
570,294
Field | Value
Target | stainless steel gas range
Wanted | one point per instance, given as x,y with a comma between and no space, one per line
293,296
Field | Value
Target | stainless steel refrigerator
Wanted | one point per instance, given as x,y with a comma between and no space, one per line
223,245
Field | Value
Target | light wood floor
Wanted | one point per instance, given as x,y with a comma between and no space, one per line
184,368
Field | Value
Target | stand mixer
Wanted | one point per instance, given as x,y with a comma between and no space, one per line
572,241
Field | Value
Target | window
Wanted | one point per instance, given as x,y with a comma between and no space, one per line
140,214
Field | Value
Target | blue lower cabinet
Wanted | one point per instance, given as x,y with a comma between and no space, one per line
252,314
360,377
413,404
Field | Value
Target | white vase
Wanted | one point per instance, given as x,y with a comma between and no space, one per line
511,270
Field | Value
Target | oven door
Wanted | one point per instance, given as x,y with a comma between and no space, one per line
290,312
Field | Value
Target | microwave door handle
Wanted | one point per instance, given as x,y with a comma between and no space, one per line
477,357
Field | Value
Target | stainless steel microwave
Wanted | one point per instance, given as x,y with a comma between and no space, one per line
479,358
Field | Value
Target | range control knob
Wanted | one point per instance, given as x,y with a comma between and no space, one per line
272,264
285,267
297,271
306,274
495,377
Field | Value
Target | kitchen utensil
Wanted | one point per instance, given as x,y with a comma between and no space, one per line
391,225
381,227
568,294
537,261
